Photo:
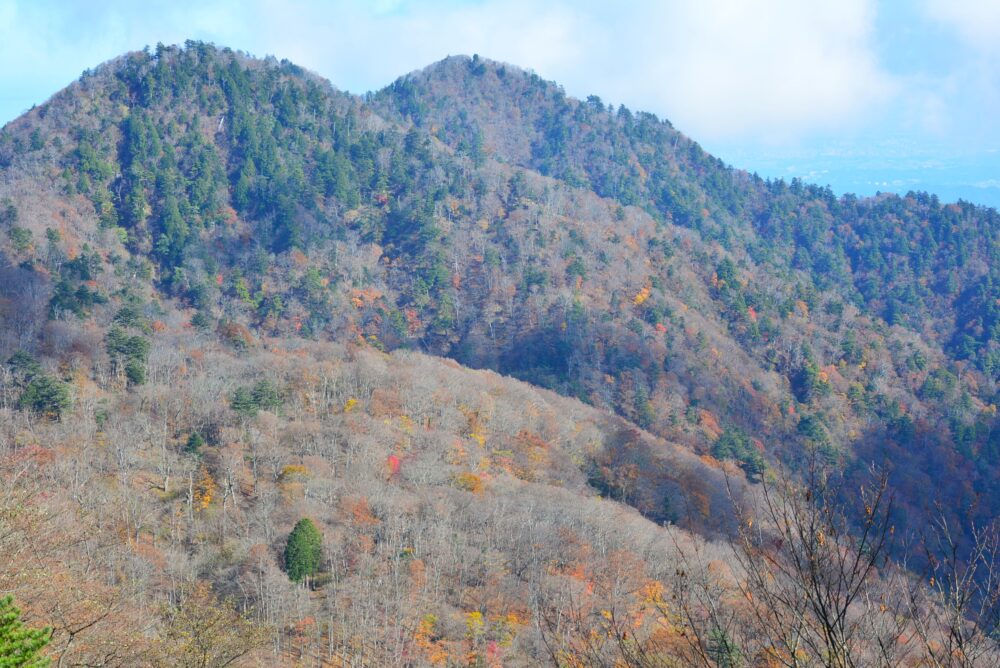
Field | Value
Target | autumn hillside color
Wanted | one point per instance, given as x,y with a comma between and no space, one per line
469,372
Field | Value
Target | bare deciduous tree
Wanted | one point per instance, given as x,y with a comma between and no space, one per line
955,606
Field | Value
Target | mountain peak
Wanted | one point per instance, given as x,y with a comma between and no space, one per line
477,105
463,65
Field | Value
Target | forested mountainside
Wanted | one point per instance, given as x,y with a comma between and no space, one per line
838,296
905,260
186,231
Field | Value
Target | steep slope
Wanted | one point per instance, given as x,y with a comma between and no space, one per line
889,303
442,494
181,224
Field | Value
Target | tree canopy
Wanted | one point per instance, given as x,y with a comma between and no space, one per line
303,551
20,646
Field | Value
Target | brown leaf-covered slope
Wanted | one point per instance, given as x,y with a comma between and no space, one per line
442,493
458,512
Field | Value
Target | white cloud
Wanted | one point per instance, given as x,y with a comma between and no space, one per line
720,69
768,70
968,91
360,48
977,22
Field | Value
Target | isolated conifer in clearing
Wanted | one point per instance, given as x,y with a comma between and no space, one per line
20,646
304,551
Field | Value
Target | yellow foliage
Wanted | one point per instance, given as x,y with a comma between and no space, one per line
514,619
469,482
350,404
204,491
652,593
294,471
474,624
641,296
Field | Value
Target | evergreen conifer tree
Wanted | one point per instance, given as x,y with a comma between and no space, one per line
20,647
304,551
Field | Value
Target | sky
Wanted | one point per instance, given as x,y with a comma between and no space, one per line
861,95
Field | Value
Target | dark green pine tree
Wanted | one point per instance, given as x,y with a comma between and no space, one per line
46,395
304,551
20,647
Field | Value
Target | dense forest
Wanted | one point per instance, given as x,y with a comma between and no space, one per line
469,372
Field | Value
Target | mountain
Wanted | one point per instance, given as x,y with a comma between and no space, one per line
233,296
878,315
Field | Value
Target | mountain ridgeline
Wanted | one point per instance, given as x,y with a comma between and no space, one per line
473,211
